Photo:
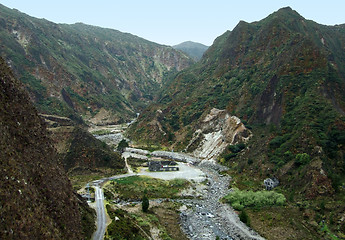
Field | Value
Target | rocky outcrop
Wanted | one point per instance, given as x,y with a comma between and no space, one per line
216,131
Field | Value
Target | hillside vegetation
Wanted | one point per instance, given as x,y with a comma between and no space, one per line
36,197
79,69
284,77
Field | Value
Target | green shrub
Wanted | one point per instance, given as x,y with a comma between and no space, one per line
236,148
228,156
241,199
244,217
302,159
122,145
145,204
237,206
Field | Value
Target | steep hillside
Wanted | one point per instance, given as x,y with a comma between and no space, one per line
79,69
83,154
284,77
192,49
36,197
284,71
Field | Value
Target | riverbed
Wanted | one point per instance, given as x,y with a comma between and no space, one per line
202,215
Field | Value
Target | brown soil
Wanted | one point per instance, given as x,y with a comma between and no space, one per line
169,218
281,223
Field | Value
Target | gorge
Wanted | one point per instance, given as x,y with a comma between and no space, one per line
265,101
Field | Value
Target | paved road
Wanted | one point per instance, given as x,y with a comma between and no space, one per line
186,172
101,220
100,210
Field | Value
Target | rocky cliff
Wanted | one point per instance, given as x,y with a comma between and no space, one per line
80,69
36,197
215,132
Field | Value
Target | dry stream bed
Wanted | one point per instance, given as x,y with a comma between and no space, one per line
196,212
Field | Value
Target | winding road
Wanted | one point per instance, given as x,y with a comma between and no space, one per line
101,219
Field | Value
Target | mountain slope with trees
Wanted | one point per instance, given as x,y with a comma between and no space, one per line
284,77
79,69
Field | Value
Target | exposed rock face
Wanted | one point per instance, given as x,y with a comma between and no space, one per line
36,197
217,130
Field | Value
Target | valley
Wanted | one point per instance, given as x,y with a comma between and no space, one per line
202,215
244,139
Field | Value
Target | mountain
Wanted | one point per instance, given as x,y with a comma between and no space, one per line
284,78
73,70
36,197
192,49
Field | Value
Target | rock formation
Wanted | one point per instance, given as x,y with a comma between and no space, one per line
216,131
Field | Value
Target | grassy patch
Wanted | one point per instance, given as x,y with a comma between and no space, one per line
102,132
241,199
134,187
170,219
160,221
124,226
136,163
79,181
325,229
282,222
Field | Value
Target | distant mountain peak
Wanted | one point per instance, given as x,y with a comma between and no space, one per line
288,8
190,43
192,49
286,12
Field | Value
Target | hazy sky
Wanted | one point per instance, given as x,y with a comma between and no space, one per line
172,22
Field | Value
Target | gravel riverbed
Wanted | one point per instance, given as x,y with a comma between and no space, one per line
206,217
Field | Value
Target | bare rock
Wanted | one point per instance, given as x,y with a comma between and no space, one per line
217,130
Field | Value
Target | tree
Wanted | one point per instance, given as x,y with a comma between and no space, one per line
244,217
302,159
145,204
122,145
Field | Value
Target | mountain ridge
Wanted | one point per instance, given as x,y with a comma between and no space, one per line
81,69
